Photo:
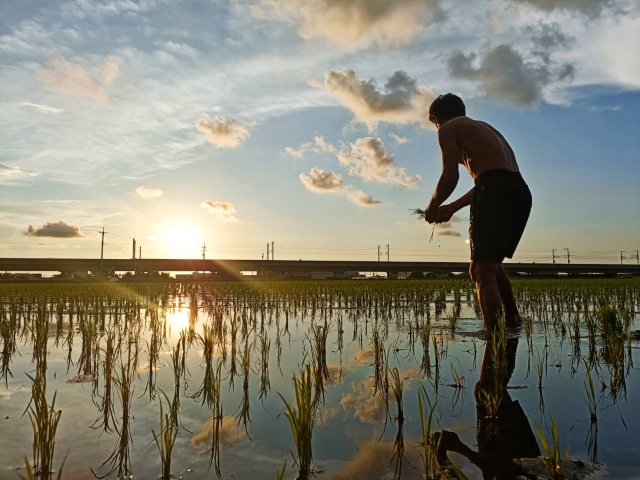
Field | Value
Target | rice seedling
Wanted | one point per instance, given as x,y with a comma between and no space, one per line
554,459
301,416
166,437
280,473
590,397
243,414
265,384
44,424
429,443
397,388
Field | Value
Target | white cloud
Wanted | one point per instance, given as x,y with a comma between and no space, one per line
504,73
75,80
55,230
12,174
320,181
148,192
398,138
362,199
369,160
223,132
400,101
224,212
42,108
318,145
353,24
446,229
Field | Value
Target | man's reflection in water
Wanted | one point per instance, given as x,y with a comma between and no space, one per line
503,431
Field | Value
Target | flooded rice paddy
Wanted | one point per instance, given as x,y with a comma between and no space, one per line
337,380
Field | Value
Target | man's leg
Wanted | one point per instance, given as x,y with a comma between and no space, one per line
508,301
484,275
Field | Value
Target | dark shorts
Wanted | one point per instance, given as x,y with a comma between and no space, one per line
500,208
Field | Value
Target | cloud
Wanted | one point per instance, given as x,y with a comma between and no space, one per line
42,108
223,211
148,192
398,139
224,132
12,174
353,24
589,7
446,229
55,230
320,181
110,71
229,433
503,73
400,101
318,145
75,80
369,160
362,199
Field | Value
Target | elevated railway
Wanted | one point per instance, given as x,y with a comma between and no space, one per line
233,268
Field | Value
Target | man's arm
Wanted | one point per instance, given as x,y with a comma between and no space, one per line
450,175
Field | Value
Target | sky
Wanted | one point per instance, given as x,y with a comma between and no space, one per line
233,124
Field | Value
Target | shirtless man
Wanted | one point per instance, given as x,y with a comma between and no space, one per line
500,200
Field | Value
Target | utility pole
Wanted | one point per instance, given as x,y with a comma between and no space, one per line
140,259
568,255
273,250
204,251
262,265
267,251
102,248
378,252
134,256
388,259
553,255
623,256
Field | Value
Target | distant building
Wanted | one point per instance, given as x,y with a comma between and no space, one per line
27,276
322,275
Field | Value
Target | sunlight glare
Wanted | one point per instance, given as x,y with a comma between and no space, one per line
181,241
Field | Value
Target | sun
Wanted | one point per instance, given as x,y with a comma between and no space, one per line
181,241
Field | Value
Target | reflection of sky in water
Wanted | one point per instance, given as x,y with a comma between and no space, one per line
347,438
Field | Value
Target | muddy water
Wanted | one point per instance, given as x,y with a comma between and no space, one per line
542,377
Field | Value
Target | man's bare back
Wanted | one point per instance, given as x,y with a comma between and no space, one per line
481,146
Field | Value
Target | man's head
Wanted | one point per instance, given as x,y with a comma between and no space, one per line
446,107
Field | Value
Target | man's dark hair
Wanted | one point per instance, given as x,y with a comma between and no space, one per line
446,107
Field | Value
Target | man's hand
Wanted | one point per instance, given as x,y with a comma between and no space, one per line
431,214
445,212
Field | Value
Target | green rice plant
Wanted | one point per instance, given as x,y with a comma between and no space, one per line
397,388
458,379
44,424
301,416
265,384
31,475
590,397
243,414
280,473
424,334
553,459
166,437
429,443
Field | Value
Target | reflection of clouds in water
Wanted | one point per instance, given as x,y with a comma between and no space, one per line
6,394
229,434
364,357
367,407
338,372
373,460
